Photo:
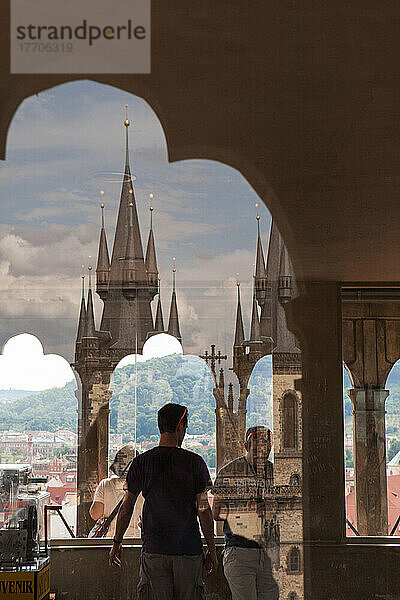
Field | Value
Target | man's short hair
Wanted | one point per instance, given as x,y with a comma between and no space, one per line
259,431
170,416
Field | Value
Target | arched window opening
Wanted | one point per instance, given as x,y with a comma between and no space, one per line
295,479
294,560
38,437
289,422
194,299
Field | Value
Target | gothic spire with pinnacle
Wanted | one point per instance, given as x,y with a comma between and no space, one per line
90,330
151,260
82,314
123,220
255,322
239,331
103,258
173,323
159,324
260,263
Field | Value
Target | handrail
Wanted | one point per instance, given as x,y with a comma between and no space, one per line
354,530
395,526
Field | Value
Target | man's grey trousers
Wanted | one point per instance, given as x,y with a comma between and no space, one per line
170,577
249,574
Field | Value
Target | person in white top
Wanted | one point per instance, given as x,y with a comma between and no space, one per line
112,489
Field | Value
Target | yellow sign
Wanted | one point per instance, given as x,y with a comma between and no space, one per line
25,586
43,583
17,586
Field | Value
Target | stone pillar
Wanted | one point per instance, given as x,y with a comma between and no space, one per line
92,444
370,460
371,331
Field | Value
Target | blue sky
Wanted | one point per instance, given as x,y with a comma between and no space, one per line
66,144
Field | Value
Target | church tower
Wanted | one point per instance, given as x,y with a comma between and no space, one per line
274,286
287,414
127,284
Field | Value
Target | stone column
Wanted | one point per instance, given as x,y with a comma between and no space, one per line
370,460
92,444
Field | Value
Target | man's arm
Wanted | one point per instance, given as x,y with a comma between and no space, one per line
207,527
123,520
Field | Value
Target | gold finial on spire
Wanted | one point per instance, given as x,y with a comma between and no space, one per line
127,121
173,273
258,219
83,283
90,272
151,217
102,208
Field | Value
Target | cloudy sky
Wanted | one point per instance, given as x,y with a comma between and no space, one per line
66,144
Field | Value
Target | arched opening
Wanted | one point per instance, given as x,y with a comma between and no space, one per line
393,448
289,421
38,415
392,426
259,403
295,480
209,248
151,380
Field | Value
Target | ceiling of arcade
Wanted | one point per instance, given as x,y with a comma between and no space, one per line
312,122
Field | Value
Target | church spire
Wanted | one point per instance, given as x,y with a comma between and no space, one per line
82,314
103,260
260,263
260,277
159,324
255,323
239,332
151,260
90,330
123,221
173,323
126,123
285,287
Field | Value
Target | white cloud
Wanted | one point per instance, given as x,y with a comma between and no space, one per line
24,366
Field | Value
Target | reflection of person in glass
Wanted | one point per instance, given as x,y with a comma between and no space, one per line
111,490
250,527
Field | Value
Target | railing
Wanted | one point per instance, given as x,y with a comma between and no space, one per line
283,490
395,526
354,530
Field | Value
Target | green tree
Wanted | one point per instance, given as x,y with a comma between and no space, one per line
394,448
349,459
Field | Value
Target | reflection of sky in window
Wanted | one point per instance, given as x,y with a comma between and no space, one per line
259,402
66,144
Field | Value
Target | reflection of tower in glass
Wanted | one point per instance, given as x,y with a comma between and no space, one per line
126,283
274,286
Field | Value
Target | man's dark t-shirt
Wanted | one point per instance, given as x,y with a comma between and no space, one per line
169,479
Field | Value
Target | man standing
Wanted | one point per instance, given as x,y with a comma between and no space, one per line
250,527
174,484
